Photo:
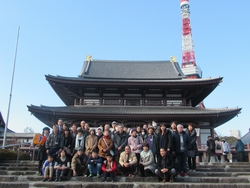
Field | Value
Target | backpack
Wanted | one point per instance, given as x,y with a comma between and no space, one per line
218,147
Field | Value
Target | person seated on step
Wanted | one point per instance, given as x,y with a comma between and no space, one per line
62,166
48,168
147,161
79,163
127,162
109,168
94,164
165,166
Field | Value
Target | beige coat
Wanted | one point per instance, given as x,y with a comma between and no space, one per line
90,144
131,158
102,146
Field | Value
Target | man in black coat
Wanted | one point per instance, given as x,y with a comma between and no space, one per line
181,143
120,140
165,166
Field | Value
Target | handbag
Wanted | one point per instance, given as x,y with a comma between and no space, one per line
110,151
191,153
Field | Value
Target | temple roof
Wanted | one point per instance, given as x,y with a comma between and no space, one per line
69,88
131,70
49,115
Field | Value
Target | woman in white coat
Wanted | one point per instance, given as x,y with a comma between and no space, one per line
147,162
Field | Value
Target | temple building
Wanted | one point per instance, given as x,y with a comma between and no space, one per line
134,93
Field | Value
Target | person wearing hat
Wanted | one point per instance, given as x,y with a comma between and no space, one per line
42,155
79,163
99,133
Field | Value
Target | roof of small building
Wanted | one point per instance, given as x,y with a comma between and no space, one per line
131,70
246,138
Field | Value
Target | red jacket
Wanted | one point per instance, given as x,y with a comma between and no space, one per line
113,167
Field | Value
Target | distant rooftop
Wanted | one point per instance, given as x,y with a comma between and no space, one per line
148,70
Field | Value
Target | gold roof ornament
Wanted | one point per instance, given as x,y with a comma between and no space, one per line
88,57
173,59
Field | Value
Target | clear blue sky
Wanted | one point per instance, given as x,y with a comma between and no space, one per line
56,36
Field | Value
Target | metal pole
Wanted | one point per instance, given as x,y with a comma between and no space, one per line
13,73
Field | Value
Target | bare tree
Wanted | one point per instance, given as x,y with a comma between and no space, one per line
28,130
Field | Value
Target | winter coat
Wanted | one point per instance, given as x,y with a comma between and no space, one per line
177,144
239,147
154,141
120,140
90,144
130,158
165,141
165,162
102,145
225,148
147,160
78,160
193,138
68,142
113,167
135,142
54,141
210,147
95,160
47,163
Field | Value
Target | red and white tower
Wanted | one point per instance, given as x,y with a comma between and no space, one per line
189,67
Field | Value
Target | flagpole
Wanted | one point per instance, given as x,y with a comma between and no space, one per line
11,87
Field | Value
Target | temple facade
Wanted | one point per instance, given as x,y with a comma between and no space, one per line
134,93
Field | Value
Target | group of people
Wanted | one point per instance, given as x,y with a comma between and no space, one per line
216,149
161,150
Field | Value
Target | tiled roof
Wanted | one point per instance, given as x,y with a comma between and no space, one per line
130,110
132,70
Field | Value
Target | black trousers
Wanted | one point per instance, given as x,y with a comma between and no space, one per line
145,173
127,170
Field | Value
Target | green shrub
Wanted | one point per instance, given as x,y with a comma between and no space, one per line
9,154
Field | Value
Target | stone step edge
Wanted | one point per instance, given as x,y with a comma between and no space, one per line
123,184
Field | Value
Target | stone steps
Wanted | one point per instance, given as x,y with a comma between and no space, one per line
118,185
228,175
197,179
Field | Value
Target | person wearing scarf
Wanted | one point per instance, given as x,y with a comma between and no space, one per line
80,139
147,162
